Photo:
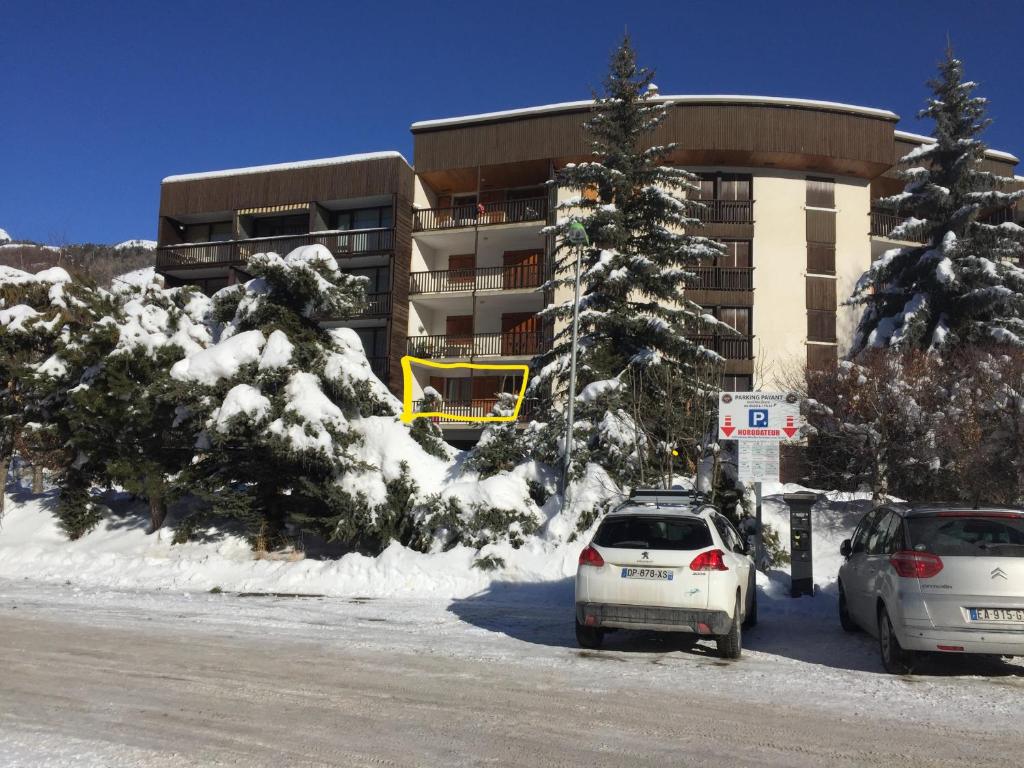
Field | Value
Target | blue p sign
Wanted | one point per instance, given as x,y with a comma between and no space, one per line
758,417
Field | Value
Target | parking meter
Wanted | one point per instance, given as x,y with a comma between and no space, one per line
800,546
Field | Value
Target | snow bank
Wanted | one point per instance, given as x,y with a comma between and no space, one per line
222,361
139,278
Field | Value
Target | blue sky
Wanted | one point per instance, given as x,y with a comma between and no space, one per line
100,100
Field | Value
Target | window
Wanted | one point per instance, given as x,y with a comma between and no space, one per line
378,278
737,317
860,536
737,254
725,186
968,535
375,341
730,537
733,383
380,217
210,232
821,193
649,532
280,226
458,390
878,539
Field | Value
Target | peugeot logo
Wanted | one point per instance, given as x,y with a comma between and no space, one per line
998,573
646,556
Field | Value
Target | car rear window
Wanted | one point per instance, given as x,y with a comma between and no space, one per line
651,532
966,535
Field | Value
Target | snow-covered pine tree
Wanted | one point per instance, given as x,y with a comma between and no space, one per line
426,432
963,285
35,312
633,315
500,447
280,392
113,402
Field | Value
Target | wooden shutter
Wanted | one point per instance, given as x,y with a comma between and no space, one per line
462,268
821,325
519,333
821,293
522,269
821,258
821,193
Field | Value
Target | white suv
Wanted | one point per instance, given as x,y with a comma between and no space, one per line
667,563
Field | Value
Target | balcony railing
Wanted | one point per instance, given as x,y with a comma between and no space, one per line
340,243
377,304
508,344
480,278
729,347
471,215
884,222
724,279
475,409
726,211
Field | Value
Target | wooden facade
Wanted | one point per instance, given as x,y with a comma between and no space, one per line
785,136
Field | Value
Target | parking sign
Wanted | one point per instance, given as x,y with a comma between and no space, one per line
758,415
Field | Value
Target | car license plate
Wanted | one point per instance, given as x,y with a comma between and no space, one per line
663,574
1000,615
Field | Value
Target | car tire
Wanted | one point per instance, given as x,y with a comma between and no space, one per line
895,659
750,620
730,646
845,619
589,637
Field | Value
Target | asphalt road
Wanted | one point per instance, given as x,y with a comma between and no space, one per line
110,686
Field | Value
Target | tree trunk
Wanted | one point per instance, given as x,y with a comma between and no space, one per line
5,462
157,511
37,480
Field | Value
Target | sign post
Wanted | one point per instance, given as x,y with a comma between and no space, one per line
758,421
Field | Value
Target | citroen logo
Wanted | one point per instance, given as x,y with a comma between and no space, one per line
998,573
646,556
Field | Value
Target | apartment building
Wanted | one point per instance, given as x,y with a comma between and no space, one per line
457,257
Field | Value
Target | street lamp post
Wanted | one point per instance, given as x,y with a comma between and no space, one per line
576,235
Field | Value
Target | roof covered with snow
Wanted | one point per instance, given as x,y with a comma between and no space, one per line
343,159
995,154
4,237
572,106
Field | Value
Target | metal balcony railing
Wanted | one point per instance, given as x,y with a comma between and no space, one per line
724,279
227,252
726,211
473,214
475,409
508,344
480,278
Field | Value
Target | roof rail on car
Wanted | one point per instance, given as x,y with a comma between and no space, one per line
667,497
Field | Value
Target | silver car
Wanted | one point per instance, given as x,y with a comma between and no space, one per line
943,579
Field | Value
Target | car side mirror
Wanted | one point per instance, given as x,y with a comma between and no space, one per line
846,548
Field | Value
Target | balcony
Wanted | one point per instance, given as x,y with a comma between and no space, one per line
377,305
729,347
725,211
340,243
476,279
508,344
724,279
477,408
473,215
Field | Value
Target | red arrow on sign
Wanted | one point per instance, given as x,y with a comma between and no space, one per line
728,428
789,429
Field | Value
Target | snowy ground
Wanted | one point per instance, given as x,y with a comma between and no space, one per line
116,653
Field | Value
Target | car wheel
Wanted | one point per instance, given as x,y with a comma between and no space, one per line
750,620
589,637
730,646
844,613
895,660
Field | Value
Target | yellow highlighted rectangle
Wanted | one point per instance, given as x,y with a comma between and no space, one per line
407,412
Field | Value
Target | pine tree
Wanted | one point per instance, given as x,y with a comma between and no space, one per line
279,392
426,432
963,285
500,447
633,314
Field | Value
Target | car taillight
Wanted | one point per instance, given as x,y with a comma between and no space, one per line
591,556
709,561
921,565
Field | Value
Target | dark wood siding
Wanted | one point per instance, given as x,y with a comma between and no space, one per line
365,178
400,263
786,135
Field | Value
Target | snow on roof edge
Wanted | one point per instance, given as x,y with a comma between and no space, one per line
995,153
569,105
286,166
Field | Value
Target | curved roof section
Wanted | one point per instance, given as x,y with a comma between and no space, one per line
579,106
